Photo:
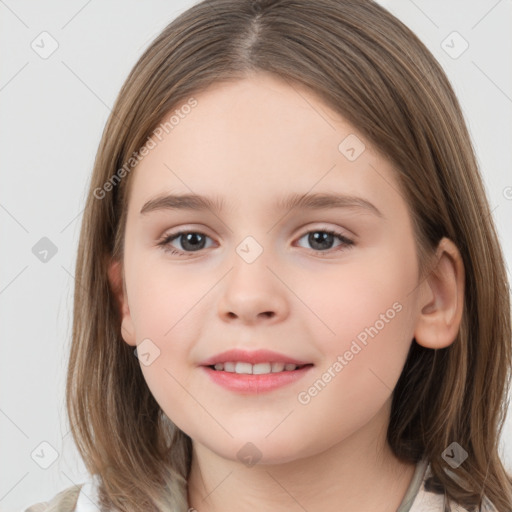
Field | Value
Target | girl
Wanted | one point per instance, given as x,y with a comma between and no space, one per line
295,294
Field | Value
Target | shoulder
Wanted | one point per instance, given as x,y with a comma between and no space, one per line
428,498
77,498
64,501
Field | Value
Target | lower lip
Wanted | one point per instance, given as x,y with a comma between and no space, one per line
248,383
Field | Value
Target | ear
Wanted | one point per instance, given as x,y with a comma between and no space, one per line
441,299
116,280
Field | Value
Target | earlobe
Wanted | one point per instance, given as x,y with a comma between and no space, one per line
115,277
442,302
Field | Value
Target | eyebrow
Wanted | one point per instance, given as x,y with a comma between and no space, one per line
319,201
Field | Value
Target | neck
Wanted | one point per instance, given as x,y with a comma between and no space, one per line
359,473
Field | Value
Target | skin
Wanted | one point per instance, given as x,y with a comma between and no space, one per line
252,142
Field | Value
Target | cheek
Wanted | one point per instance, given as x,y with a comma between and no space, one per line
361,366
369,309
166,313
368,296
163,299
365,356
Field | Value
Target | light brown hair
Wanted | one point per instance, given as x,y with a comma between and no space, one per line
368,66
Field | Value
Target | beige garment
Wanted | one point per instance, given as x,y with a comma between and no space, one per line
416,499
64,501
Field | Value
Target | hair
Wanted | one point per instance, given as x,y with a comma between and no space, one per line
370,68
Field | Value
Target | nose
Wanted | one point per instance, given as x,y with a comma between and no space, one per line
252,293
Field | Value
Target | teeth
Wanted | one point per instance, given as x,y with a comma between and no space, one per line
277,367
243,368
256,369
261,368
229,367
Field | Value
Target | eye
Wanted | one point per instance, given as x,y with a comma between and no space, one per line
192,242
321,241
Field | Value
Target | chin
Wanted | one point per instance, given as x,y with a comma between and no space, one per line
257,450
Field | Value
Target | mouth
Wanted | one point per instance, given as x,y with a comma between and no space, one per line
254,379
254,372
244,368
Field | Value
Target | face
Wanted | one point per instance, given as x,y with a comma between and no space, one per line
333,286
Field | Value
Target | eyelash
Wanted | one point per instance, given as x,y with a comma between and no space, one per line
346,243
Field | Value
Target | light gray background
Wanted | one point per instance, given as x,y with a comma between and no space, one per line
52,115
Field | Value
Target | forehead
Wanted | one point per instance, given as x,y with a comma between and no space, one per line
254,139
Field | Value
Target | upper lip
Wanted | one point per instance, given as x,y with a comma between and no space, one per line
253,357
